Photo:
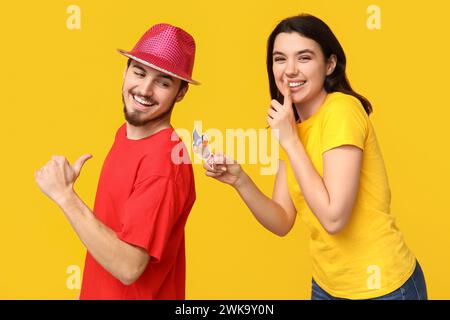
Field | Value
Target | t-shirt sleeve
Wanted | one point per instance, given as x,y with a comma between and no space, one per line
344,123
147,216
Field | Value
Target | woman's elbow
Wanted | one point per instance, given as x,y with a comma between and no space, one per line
336,220
284,230
333,227
281,233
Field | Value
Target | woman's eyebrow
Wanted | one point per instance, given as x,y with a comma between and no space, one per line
277,52
298,52
306,51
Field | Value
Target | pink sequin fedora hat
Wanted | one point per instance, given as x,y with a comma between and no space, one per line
168,49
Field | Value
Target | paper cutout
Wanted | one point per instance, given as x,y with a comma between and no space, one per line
200,145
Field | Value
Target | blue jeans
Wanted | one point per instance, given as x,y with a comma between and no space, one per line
414,288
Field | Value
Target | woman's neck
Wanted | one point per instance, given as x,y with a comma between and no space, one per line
308,108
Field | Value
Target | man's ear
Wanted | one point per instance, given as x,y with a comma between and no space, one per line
125,72
182,92
331,64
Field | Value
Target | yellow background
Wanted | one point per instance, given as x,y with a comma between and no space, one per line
61,95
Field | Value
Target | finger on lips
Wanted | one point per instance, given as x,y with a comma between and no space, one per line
287,93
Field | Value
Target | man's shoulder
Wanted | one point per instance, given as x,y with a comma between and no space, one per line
120,131
166,162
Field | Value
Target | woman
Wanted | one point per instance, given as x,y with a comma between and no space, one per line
331,171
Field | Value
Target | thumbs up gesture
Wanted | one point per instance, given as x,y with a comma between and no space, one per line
280,117
57,176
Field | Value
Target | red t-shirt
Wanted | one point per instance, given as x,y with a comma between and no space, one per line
145,197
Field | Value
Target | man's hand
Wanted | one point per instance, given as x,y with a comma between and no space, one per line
124,261
57,177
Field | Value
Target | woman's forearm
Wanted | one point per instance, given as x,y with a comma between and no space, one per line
267,211
311,184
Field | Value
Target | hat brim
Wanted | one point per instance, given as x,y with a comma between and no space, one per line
151,65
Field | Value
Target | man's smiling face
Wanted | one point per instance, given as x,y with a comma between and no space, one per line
148,94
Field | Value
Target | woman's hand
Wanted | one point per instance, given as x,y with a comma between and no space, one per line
225,170
282,120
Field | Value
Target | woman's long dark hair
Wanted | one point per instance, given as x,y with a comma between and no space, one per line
313,28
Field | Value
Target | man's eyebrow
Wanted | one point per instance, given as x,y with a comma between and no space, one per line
165,76
299,52
139,67
160,75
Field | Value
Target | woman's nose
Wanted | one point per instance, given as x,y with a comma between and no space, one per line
291,68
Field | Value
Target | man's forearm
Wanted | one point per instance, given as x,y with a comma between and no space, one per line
124,261
101,241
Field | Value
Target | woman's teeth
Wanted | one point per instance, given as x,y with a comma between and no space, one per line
142,101
296,84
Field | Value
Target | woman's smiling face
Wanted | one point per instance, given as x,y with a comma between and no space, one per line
300,60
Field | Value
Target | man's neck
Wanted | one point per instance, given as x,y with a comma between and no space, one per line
136,133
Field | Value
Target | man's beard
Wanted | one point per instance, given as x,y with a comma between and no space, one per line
134,117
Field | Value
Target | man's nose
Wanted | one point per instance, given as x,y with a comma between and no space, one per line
146,87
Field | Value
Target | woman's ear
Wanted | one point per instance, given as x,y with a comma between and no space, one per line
331,64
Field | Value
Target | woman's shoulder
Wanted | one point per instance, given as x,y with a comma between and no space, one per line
342,103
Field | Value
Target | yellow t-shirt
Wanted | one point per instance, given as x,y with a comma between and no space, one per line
369,257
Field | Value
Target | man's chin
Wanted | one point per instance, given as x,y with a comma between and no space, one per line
140,118
135,119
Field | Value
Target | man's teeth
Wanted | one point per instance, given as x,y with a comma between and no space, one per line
142,101
296,84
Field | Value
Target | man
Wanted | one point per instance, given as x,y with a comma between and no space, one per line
135,234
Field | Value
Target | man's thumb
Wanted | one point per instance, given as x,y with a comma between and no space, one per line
77,165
